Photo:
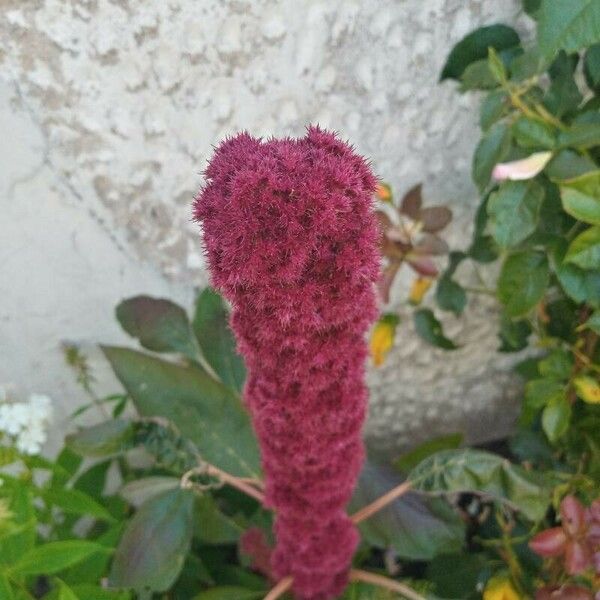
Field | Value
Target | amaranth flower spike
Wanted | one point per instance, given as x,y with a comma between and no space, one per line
292,242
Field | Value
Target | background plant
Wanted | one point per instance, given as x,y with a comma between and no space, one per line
536,168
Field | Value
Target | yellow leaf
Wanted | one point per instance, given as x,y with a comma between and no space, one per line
419,289
500,588
384,192
588,389
382,338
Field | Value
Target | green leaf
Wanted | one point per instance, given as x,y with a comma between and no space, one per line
558,365
106,439
526,66
357,590
68,463
492,149
456,576
567,164
76,502
496,66
409,460
53,557
593,322
578,284
15,544
477,76
6,592
204,410
480,472
8,455
584,250
563,95
211,326
430,329
568,25
591,67
523,281
514,210
95,566
556,417
581,197
531,133
139,491
538,394
494,106
483,248
229,592
449,294
532,6
66,593
160,325
155,543
581,136
92,481
87,591
413,528
212,525
475,46
513,334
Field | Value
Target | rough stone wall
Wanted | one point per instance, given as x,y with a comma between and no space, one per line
109,109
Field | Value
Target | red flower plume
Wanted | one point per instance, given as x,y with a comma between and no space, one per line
292,242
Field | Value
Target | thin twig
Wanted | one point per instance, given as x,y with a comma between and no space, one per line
386,583
280,589
381,502
236,482
257,483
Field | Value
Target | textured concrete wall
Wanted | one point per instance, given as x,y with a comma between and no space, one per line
109,108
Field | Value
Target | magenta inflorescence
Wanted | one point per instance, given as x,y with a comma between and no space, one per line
292,242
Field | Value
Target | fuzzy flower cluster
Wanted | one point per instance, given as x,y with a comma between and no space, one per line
292,242
25,423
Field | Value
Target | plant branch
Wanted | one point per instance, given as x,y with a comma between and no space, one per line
386,583
281,588
239,483
381,502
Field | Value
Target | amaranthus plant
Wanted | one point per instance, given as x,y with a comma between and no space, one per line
292,242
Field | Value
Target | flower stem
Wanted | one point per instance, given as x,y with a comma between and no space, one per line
381,502
239,483
386,583
281,588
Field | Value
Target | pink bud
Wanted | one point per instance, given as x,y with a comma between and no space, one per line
572,514
595,510
526,168
550,542
577,558
565,592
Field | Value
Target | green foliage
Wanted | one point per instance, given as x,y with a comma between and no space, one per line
430,329
155,542
475,46
413,527
159,325
543,228
203,409
513,211
483,473
522,281
568,25
211,327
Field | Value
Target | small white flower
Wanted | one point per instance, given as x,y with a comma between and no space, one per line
26,422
